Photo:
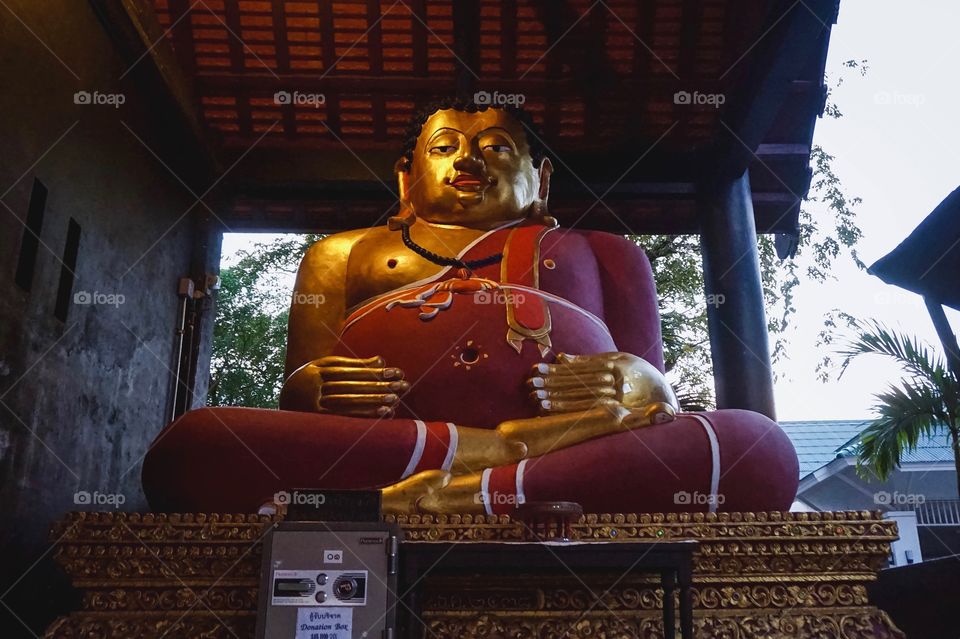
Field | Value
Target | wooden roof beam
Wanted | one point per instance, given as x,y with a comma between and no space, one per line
646,208
407,84
134,28
778,60
466,46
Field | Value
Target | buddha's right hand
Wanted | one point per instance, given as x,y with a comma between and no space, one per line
358,387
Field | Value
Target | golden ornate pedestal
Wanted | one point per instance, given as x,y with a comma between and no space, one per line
757,575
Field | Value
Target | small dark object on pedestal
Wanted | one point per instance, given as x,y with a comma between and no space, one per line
549,520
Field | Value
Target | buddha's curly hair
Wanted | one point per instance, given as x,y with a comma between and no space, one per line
537,149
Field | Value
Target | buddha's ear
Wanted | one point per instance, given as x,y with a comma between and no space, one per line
403,179
545,170
405,216
538,210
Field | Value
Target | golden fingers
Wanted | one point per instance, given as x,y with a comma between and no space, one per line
353,373
572,385
337,360
550,402
564,381
358,387
551,406
364,387
357,401
574,367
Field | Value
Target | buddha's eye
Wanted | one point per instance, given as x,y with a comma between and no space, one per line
443,149
498,148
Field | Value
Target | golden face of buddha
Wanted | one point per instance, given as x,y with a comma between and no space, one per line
472,169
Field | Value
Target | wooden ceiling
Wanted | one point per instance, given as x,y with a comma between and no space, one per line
599,77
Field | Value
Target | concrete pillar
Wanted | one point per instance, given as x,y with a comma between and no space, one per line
738,327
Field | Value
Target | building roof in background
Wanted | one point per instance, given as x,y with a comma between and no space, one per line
927,262
820,442
929,450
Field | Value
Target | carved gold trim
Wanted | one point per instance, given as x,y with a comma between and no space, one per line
756,575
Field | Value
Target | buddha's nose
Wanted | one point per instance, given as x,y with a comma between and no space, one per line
469,162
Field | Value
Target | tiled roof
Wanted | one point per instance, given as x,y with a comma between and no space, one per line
820,442
334,84
929,450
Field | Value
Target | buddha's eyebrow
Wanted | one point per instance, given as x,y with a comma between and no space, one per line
446,129
498,129
495,128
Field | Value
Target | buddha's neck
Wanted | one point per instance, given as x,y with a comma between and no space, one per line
491,226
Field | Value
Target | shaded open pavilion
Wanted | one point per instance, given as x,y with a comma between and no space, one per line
130,201
662,116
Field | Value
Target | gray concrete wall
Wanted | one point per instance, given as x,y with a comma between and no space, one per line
81,400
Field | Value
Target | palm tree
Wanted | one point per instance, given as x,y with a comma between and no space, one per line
924,403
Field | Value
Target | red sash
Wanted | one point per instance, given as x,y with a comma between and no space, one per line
528,316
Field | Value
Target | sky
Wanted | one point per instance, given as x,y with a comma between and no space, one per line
897,147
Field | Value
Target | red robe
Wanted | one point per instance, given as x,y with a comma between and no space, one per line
467,354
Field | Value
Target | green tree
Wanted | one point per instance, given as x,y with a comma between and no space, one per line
924,403
250,332
828,231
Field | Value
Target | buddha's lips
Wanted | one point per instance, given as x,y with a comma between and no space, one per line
468,182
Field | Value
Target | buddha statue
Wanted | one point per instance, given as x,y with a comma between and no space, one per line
469,356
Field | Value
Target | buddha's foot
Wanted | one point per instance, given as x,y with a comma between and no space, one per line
461,495
403,496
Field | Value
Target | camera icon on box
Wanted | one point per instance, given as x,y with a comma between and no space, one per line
82,498
282,97
82,298
281,498
682,497
82,97
482,97
682,97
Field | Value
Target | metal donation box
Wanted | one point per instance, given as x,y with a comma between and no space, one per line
323,580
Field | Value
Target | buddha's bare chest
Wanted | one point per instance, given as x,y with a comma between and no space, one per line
380,262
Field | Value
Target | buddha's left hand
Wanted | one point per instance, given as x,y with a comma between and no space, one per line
581,382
